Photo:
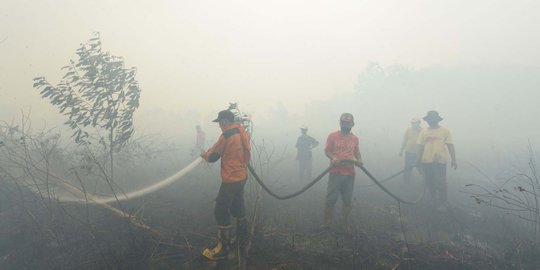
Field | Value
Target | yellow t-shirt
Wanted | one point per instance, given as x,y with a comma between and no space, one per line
411,136
434,141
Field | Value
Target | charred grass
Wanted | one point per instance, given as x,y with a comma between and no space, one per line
49,234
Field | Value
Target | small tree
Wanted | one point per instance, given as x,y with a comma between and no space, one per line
98,95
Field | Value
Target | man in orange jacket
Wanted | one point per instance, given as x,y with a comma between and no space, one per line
234,150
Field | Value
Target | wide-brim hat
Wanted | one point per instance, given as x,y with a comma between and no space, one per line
432,115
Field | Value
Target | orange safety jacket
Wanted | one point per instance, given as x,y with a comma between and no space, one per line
234,150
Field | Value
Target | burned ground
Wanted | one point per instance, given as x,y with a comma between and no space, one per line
41,234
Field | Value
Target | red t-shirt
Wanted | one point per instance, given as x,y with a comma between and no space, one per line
342,147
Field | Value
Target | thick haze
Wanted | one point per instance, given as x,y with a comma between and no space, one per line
280,57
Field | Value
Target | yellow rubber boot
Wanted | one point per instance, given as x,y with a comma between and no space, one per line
221,250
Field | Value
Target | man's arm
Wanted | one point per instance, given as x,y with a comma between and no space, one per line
419,147
359,161
328,151
452,151
328,148
334,161
403,144
214,153
328,154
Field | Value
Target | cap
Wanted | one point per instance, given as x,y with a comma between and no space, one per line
304,127
225,114
415,120
346,119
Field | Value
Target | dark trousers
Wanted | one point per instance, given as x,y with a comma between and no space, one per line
435,175
230,202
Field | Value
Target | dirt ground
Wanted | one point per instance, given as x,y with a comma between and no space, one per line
40,234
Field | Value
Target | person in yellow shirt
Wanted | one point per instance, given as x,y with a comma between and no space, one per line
409,147
433,157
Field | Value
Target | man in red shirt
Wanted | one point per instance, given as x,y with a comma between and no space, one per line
343,152
234,150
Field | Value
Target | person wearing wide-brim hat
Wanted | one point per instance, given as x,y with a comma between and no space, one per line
433,157
432,116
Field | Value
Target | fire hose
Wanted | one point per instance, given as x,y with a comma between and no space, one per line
320,176
175,177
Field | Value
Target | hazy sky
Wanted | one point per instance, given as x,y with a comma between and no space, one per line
199,55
